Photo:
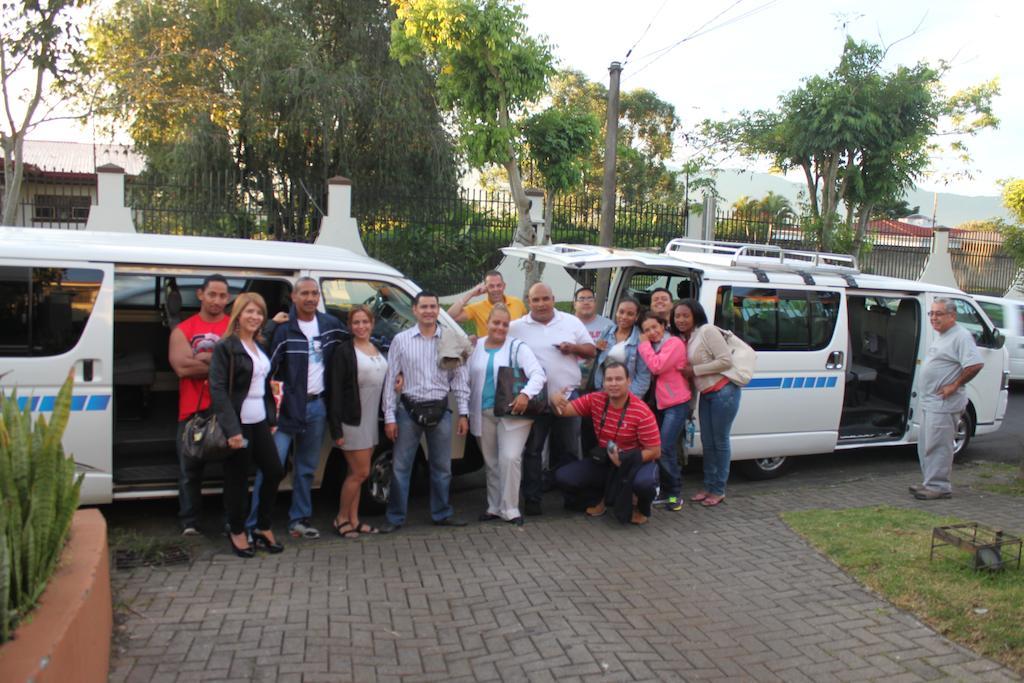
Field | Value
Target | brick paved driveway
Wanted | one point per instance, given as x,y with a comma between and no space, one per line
727,593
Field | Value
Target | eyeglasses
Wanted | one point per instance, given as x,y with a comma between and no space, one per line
937,314
584,298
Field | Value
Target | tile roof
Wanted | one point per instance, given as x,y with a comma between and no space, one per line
54,156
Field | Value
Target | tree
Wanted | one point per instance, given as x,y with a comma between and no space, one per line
560,141
287,94
860,134
1013,233
894,209
488,71
40,40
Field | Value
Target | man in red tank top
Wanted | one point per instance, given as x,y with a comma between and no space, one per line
189,352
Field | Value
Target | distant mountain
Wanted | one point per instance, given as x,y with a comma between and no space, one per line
953,209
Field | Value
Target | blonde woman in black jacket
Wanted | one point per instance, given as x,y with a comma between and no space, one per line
244,405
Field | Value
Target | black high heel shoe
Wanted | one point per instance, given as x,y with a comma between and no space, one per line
244,553
261,541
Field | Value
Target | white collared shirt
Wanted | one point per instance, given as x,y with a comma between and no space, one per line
542,338
415,356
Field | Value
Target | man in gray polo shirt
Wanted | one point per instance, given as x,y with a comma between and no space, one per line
952,360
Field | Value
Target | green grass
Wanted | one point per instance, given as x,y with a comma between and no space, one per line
997,477
887,549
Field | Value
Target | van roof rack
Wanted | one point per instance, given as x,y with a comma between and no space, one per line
762,256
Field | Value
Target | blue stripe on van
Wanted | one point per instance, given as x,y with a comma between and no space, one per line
823,382
79,403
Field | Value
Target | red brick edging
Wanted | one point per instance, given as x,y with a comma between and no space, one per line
67,637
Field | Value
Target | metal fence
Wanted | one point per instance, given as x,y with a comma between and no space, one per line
981,264
225,204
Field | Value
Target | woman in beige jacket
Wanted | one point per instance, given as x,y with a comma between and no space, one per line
709,357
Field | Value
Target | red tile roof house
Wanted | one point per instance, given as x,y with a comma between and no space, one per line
59,184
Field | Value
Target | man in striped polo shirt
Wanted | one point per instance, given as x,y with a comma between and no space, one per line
422,410
626,431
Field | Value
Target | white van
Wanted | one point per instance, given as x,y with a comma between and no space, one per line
838,350
97,304
1008,316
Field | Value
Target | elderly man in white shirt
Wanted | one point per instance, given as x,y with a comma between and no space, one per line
559,341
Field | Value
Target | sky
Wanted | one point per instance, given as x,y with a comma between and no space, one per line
748,52
756,50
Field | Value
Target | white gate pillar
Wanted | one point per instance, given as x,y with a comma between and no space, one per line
338,228
939,268
109,213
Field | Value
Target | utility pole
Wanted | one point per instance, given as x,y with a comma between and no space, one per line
608,189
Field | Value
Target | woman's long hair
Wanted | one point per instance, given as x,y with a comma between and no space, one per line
699,316
240,304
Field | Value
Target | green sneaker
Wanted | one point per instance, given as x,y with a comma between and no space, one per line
674,504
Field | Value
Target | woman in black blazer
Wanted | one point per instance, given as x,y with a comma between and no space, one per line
244,404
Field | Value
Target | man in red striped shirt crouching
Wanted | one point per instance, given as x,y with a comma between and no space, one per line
622,471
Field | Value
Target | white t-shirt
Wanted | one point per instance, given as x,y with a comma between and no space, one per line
562,370
315,368
254,410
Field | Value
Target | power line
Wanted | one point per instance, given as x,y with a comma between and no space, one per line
650,23
702,30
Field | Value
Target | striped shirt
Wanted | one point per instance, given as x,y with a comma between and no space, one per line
415,356
639,427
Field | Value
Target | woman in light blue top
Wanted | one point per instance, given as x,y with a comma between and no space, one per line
619,343
501,439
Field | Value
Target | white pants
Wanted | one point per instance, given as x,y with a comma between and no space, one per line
502,441
935,449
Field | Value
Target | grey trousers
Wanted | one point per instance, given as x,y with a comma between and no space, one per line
935,449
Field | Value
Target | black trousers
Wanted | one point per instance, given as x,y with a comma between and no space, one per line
262,451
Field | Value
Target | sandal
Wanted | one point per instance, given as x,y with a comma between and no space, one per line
365,528
638,518
699,496
711,500
345,529
596,510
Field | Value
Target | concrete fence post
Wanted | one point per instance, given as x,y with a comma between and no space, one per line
708,218
939,268
109,214
338,228
541,229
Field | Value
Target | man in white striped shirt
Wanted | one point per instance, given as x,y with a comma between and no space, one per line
422,409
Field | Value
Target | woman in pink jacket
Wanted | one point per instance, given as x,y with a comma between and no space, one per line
665,356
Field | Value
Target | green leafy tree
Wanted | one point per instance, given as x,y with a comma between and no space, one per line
1013,233
894,209
488,70
862,135
560,141
39,42
287,94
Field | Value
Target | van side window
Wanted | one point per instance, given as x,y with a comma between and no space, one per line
994,311
779,319
391,306
968,316
43,311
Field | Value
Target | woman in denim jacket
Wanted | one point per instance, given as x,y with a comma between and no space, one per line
619,343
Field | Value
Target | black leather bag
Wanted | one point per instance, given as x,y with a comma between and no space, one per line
510,383
203,438
426,413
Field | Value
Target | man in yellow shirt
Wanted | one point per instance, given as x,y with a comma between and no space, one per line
494,286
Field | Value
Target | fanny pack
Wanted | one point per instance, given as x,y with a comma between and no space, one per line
426,413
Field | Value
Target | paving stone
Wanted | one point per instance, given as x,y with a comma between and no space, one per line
724,594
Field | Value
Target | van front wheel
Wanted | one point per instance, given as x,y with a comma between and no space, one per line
760,469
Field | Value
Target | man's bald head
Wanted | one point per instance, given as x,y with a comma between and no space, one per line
542,302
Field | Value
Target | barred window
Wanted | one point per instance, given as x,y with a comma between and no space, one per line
52,208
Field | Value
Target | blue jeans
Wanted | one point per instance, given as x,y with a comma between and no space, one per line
439,457
586,480
717,410
672,420
307,456
190,484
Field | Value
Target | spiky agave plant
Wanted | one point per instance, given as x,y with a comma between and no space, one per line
38,497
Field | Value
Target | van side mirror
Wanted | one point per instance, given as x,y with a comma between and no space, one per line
998,340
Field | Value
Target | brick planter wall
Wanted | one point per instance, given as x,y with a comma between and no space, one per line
67,637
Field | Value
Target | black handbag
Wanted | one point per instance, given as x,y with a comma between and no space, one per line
511,382
426,413
203,438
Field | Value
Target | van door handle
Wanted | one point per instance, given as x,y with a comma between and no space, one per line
835,361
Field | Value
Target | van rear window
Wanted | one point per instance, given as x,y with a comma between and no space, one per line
43,311
779,319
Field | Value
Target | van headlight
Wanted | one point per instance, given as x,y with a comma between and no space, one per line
1006,380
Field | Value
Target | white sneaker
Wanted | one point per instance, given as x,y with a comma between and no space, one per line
302,529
